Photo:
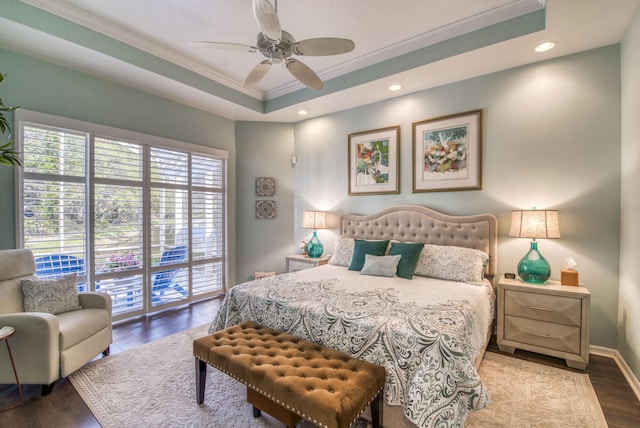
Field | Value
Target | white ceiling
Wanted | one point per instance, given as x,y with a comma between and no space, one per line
380,29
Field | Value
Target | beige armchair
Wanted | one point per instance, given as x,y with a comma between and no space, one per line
47,347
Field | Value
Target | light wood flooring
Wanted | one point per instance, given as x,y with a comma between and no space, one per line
64,408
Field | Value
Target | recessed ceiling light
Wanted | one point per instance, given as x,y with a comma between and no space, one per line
302,112
395,87
543,47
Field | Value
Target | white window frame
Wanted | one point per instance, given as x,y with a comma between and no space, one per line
26,117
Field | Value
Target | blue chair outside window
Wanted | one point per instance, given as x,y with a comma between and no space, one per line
56,265
163,281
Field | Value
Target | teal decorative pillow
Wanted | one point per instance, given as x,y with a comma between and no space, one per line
52,296
362,247
452,263
380,265
410,252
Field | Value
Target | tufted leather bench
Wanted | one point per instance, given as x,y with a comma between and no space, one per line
289,377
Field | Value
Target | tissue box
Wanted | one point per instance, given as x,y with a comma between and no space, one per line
568,277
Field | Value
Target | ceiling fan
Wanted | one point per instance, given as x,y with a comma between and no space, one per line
279,46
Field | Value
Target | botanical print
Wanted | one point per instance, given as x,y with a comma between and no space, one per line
372,162
445,153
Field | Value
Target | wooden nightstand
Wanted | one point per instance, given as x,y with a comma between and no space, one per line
300,262
550,319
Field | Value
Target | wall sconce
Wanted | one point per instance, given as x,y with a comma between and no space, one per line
314,220
534,224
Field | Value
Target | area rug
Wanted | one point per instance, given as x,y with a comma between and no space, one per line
154,386
531,395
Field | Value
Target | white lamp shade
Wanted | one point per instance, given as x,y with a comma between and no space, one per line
314,220
535,224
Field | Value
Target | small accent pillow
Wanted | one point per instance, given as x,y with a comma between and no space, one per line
452,263
410,252
54,296
362,247
343,252
380,265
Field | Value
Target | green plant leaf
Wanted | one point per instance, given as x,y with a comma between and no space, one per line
9,156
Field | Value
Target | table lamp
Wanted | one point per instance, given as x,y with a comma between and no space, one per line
314,220
534,224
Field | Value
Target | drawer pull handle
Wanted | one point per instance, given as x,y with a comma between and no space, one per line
539,308
533,333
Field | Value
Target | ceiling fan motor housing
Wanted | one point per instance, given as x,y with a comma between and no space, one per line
278,50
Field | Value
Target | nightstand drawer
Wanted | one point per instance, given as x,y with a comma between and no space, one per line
555,309
548,335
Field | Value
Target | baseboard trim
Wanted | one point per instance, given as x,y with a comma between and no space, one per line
632,380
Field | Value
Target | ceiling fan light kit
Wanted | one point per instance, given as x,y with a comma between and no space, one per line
278,46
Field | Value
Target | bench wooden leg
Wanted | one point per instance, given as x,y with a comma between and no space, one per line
201,379
256,412
376,408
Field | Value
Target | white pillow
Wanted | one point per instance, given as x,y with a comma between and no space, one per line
343,252
380,265
452,263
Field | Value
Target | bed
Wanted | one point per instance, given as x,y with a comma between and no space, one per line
429,332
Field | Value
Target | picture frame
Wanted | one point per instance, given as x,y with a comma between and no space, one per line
265,186
265,209
447,153
374,161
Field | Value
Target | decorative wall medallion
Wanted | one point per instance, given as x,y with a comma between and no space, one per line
265,186
265,209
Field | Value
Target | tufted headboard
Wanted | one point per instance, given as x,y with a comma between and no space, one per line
413,223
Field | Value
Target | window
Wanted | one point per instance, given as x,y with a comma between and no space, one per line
139,219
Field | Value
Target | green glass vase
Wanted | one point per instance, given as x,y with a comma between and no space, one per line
533,267
314,246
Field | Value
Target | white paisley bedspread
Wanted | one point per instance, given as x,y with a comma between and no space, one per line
426,332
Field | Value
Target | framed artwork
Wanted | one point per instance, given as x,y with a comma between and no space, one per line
374,162
447,153
265,209
265,186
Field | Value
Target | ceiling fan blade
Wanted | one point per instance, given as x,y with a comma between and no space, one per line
257,74
267,18
323,46
225,46
304,74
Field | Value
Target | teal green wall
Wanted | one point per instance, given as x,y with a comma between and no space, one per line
551,139
47,88
628,314
264,150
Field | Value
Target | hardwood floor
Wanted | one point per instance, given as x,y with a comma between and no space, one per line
64,408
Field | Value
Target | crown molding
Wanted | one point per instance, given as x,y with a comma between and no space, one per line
95,23
499,14
440,34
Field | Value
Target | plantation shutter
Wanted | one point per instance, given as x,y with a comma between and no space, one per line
141,221
53,200
118,222
208,214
